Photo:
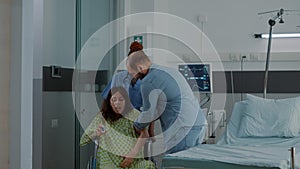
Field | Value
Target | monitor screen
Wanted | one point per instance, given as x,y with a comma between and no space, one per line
198,76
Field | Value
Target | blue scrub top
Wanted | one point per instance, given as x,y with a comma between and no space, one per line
168,97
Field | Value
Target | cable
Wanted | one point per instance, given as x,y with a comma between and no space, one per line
242,68
232,88
203,102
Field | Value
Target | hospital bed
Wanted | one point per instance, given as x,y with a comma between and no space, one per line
261,134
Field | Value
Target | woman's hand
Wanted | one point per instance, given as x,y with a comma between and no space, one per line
128,160
99,131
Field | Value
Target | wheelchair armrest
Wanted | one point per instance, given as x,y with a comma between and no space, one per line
148,149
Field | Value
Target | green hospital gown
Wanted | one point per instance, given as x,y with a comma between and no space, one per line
119,139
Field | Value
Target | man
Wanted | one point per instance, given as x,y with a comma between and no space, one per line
167,96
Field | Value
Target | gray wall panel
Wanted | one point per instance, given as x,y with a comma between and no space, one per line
58,131
37,123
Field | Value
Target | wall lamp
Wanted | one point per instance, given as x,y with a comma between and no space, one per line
277,35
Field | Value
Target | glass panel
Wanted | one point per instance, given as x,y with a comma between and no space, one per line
91,16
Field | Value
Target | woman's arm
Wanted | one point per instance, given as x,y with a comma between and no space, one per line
92,131
144,135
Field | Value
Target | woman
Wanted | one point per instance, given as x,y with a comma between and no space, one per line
119,145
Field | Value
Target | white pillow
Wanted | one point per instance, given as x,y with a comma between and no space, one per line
270,117
230,134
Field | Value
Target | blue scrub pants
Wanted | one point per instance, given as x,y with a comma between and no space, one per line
194,137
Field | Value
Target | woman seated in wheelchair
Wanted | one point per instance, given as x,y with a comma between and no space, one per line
119,145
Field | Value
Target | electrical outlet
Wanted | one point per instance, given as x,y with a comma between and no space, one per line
54,123
254,57
233,57
201,18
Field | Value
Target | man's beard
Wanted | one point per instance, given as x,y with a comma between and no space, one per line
141,75
138,76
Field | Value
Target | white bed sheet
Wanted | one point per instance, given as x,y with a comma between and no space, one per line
263,156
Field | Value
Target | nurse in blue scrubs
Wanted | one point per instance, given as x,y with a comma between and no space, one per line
168,97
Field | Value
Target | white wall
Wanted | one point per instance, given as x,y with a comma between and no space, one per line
231,23
5,15
230,26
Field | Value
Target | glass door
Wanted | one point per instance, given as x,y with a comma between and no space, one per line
89,80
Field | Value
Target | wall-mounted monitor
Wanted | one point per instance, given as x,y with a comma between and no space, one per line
198,76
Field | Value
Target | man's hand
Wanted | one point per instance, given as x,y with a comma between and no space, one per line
151,132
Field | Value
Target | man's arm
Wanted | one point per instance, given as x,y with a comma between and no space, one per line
149,112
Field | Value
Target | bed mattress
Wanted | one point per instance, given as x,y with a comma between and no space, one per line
228,156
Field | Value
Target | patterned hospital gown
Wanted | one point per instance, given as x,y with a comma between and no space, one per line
119,139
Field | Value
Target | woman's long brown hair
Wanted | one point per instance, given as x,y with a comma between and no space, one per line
107,111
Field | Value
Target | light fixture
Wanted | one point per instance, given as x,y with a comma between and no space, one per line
278,35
